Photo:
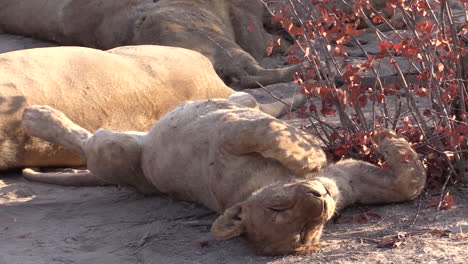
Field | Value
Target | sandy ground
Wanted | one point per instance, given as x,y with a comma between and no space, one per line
48,224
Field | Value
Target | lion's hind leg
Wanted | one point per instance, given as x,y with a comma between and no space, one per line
67,177
364,183
408,171
112,157
52,125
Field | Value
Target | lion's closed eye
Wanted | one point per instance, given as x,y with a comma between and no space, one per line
315,193
279,209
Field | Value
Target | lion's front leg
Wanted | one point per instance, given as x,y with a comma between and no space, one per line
365,183
296,150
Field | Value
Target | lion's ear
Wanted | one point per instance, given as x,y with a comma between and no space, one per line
229,224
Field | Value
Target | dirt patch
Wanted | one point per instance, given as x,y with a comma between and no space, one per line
41,223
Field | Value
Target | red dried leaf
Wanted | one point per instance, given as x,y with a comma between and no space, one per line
422,92
339,51
427,112
278,42
327,104
390,242
287,23
354,32
385,46
250,26
279,16
293,59
365,150
406,120
454,140
301,113
398,47
202,244
270,48
311,87
362,218
373,214
327,111
334,136
313,108
425,27
362,100
407,157
341,150
446,203
409,51
440,67
296,31
341,97
379,98
440,233
291,28
304,89
376,19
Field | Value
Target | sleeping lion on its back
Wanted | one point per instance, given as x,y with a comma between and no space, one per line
268,181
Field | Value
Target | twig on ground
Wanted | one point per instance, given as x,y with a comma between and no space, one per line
417,212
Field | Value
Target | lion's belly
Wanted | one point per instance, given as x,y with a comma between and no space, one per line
179,167
176,155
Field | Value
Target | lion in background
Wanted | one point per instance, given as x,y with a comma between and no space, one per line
268,180
231,33
126,88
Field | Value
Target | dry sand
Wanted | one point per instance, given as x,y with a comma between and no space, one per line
49,224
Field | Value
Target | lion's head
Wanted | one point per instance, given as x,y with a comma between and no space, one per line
280,218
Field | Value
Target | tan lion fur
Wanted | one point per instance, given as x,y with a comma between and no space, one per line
126,88
264,177
230,33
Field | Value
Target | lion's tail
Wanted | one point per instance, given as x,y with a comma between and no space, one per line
68,177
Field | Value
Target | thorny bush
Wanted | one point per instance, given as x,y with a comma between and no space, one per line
425,102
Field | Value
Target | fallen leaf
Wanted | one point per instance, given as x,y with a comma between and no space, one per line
447,202
270,48
362,218
250,26
389,243
393,242
202,244
373,214
441,233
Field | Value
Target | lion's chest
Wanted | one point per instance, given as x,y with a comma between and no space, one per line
177,158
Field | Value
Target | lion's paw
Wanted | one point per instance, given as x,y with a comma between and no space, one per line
51,125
